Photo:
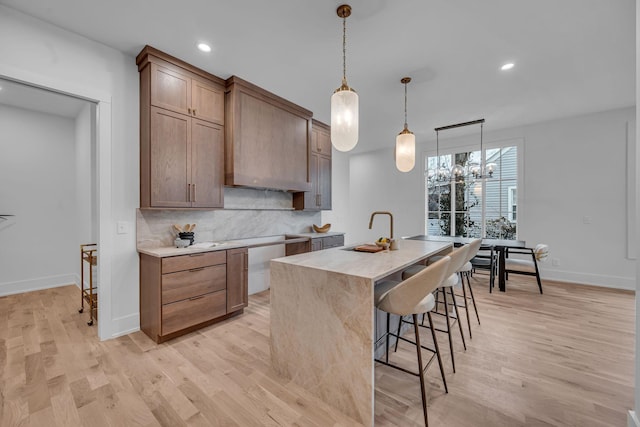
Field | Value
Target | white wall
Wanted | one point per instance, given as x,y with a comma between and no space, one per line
573,167
338,217
39,51
37,184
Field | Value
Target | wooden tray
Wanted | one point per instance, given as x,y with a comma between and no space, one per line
368,248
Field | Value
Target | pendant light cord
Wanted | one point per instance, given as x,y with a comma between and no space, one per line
344,49
405,106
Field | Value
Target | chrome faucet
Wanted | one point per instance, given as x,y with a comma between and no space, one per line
383,213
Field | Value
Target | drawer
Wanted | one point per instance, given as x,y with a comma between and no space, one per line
191,283
187,262
182,314
332,242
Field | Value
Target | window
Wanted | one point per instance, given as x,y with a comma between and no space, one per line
476,204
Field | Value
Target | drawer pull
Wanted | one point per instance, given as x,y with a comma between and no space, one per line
193,270
195,298
200,254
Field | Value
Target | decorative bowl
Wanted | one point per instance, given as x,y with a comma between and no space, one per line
322,229
383,245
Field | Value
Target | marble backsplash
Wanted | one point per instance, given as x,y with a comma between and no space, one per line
247,213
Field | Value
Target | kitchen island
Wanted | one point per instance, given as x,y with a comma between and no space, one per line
322,319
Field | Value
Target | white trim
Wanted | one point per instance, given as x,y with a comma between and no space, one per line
631,174
37,284
632,419
614,282
125,325
103,175
510,190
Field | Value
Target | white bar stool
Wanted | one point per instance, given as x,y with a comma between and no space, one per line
412,297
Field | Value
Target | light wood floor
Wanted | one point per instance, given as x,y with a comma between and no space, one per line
564,358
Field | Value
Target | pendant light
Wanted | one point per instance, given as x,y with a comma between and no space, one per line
344,101
406,140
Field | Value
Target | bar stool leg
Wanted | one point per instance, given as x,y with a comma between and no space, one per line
464,296
455,306
473,299
419,350
435,344
446,309
386,352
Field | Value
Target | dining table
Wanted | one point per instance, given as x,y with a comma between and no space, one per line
499,245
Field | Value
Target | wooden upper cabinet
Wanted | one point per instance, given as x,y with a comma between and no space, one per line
170,154
207,165
207,101
319,198
170,90
181,134
267,139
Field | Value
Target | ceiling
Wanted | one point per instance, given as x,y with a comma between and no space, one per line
571,57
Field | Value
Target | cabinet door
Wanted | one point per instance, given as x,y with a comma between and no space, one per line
207,165
170,90
207,101
170,167
322,141
323,182
237,279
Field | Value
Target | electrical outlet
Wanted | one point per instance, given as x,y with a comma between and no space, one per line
555,262
123,227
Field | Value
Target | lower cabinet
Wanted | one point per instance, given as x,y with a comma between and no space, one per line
182,293
315,244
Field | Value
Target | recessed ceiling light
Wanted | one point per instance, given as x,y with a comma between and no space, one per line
204,47
507,66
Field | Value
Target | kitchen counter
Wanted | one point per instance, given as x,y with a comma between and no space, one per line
322,320
168,251
162,252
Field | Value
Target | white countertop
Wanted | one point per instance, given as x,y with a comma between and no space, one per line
168,251
162,252
372,266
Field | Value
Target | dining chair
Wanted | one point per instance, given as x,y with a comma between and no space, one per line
526,266
458,258
412,296
486,259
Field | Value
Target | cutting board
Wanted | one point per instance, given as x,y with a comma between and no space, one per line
368,248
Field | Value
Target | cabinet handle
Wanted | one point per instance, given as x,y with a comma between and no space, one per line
319,149
194,193
194,111
200,254
195,298
189,110
193,270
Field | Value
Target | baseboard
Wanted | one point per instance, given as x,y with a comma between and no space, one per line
125,325
632,419
37,284
615,282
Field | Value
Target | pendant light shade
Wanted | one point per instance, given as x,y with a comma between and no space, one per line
406,140
405,151
344,119
344,101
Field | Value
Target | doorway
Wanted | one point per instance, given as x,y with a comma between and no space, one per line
50,186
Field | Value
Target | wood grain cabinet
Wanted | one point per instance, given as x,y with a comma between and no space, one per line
266,139
319,198
182,293
181,134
